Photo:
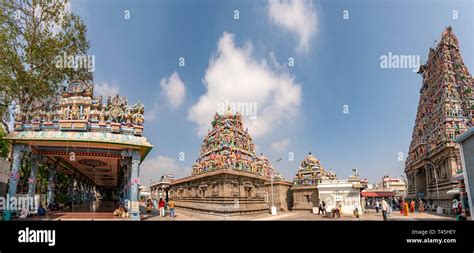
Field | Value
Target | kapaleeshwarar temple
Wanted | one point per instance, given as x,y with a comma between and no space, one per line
445,111
99,147
228,177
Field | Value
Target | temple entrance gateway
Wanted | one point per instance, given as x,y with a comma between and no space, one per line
420,182
99,147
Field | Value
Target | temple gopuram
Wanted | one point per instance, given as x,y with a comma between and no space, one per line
305,184
228,178
98,146
445,111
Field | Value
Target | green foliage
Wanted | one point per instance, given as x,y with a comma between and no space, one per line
42,179
33,34
3,144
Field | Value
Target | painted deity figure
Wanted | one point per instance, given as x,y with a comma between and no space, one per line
74,112
66,113
102,116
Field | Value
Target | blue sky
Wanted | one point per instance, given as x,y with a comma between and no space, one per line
337,63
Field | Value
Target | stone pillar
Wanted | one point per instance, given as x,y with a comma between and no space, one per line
18,150
35,159
51,183
70,190
416,188
81,190
89,194
453,166
75,190
135,173
133,181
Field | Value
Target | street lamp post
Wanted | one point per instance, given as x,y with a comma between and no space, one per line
273,211
273,208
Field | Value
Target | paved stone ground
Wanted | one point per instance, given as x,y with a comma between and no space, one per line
371,215
187,215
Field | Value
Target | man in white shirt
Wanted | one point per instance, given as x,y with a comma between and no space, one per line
384,209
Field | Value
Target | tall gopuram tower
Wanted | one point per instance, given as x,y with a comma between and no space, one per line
444,112
228,177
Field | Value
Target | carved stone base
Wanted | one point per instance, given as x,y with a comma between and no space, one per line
138,130
222,192
76,125
18,126
115,127
36,126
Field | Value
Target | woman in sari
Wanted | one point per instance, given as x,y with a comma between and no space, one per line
405,208
412,206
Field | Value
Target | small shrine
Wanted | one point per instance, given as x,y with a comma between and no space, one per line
99,145
228,177
311,172
308,176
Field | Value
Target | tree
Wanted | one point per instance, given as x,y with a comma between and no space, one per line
34,34
3,144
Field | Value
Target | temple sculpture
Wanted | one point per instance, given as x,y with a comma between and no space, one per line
77,110
228,177
97,146
445,111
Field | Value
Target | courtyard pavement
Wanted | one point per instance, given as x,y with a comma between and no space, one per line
371,215
105,213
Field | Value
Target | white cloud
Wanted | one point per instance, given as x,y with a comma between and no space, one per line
173,89
281,145
151,112
234,75
105,89
153,168
296,16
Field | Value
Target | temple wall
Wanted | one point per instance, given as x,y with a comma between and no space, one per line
304,198
425,182
283,199
222,193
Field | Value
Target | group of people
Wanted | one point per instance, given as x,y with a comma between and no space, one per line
122,211
406,206
25,212
161,206
384,206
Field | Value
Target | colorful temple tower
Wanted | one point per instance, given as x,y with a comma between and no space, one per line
228,146
308,176
444,112
228,177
